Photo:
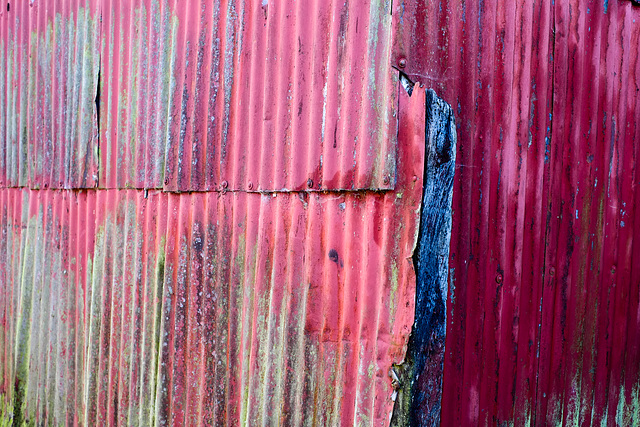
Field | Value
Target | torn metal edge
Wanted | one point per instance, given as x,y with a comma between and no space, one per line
418,380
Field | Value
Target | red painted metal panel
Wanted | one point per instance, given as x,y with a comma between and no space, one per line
247,95
595,374
126,307
49,63
543,317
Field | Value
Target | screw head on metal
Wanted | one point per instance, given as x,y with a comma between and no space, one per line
613,269
415,178
386,180
499,278
552,271
402,62
224,184
309,183
250,185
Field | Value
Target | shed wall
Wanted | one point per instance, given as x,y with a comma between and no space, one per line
208,212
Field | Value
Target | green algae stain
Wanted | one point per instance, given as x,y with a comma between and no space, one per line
628,410
155,366
393,295
24,323
6,411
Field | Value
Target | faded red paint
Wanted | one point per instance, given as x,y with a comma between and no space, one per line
245,306
278,306
543,319
193,95
170,294
49,64
274,95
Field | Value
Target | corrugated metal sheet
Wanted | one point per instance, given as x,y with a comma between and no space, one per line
200,96
182,309
230,307
241,299
247,95
544,319
49,64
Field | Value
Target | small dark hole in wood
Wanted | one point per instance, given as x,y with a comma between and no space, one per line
8,7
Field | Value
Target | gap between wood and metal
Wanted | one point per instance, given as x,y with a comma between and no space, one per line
418,380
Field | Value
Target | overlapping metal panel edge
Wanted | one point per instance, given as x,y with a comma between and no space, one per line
543,317
49,64
145,307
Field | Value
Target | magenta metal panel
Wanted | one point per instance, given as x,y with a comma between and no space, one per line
135,307
247,95
543,319
49,66
592,349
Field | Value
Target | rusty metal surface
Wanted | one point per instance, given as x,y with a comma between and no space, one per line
49,64
249,95
543,316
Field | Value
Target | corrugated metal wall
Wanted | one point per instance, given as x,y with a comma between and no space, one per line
168,254
49,64
544,320
255,95
208,211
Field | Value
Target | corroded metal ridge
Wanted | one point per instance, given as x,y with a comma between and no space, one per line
133,307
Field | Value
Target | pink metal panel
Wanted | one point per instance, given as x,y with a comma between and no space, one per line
543,317
125,307
245,96
248,95
233,306
49,59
